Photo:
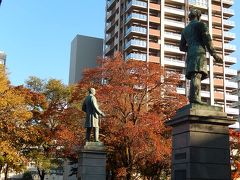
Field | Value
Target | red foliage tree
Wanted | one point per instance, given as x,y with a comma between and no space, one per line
235,153
138,98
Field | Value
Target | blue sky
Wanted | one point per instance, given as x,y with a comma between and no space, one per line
36,35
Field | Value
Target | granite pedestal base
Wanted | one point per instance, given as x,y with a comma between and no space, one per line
92,162
200,143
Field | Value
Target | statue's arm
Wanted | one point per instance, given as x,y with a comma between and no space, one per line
84,106
95,105
183,44
207,40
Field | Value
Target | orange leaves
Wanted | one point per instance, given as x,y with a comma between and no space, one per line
235,153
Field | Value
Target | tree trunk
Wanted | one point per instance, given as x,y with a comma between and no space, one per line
6,172
128,177
1,167
41,174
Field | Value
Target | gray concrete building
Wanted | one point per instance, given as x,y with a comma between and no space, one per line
3,57
84,52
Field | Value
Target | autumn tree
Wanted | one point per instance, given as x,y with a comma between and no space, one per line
235,153
59,133
138,97
16,131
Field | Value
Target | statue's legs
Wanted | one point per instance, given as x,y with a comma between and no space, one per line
195,88
96,134
88,133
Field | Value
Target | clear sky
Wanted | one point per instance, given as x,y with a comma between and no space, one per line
37,35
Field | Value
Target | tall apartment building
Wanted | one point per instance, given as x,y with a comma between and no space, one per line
84,53
237,92
2,58
150,30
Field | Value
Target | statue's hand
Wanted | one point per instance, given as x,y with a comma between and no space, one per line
218,58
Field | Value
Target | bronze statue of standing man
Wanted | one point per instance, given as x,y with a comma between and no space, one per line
195,39
90,106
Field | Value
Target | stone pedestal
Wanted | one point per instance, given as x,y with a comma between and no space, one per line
200,143
92,162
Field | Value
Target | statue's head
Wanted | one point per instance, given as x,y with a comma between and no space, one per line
194,14
92,91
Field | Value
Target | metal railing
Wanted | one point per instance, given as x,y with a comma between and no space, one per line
137,56
175,62
136,42
137,29
137,16
137,3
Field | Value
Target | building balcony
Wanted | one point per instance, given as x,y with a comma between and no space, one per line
181,90
204,17
179,12
136,3
230,47
229,71
230,84
108,37
232,111
199,3
107,48
229,11
170,35
137,56
136,29
108,25
230,59
173,23
174,62
110,3
136,43
172,48
229,2
230,35
206,81
177,1
205,94
109,14
228,23
182,77
236,104
230,97
136,16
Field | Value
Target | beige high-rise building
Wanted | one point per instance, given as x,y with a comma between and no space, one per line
237,92
150,30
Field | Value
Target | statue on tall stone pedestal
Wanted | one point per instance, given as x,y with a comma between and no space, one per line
195,39
200,133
